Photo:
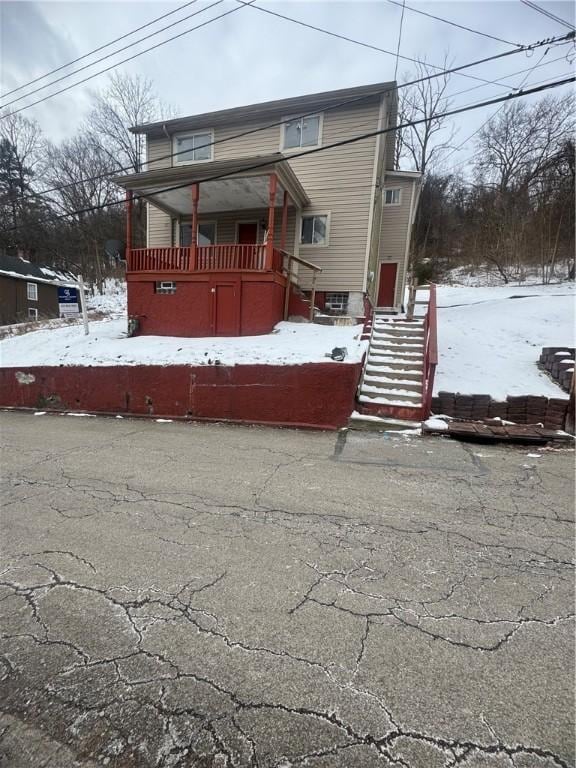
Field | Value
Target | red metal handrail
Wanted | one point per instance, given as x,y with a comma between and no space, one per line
430,353
214,258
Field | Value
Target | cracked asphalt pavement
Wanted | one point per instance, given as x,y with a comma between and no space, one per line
177,595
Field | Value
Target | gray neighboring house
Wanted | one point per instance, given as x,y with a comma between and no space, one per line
356,218
29,291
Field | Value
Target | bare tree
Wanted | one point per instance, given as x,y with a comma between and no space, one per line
517,144
81,170
423,145
127,101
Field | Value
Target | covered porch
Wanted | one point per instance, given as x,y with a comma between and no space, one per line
190,194
222,263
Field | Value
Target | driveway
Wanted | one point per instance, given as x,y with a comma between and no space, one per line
209,595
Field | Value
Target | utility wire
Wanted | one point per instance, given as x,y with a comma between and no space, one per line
97,50
354,100
399,38
305,153
547,13
109,55
453,23
338,36
130,58
493,115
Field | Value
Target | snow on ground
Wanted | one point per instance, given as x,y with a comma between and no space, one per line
112,301
108,344
490,339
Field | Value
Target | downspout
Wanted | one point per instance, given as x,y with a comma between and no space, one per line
408,240
375,183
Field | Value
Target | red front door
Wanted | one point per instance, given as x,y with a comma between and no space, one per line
387,284
225,309
247,232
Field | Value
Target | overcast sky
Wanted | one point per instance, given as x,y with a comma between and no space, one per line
249,56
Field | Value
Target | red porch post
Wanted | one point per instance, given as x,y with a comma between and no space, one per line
129,197
194,233
271,209
284,222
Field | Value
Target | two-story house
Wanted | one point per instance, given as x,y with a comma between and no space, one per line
246,203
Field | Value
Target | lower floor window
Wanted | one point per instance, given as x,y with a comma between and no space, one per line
33,313
166,286
206,233
337,302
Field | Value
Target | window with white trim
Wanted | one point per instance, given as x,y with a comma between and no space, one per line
192,147
392,196
166,286
32,313
206,233
302,132
314,230
32,291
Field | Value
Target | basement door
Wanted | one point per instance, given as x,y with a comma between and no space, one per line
225,306
387,284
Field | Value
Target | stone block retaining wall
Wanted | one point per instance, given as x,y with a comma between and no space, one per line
525,409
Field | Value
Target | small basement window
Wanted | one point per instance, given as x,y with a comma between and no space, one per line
32,313
337,303
32,291
314,230
165,286
392,196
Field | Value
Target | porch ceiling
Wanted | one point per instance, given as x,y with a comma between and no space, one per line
239,188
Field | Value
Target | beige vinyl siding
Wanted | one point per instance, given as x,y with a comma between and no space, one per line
159,227
394,231
390,143
338,180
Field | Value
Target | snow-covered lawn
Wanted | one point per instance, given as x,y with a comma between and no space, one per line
107,344
490,339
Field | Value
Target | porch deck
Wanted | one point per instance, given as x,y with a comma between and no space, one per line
205,258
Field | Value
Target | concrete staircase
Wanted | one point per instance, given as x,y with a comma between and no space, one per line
391,385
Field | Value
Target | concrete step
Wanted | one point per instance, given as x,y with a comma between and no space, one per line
402,362
393,374
401,402
393,396
399,336
367,423
394,354
385,384
396,347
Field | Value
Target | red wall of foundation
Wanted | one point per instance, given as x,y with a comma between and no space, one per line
318,394
257,306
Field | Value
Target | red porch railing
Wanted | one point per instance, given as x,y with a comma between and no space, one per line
430,353
209,258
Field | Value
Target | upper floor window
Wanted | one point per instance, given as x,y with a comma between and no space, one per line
302,132
314,230
32,291
192,147
392,196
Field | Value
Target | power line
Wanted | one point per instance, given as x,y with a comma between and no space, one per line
493,115
453,23
130,58
100,48
339,36
338,105
305,153
547,13
109,55
399,38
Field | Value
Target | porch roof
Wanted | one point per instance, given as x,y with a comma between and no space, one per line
225,185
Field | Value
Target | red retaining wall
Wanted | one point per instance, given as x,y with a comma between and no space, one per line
316,395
